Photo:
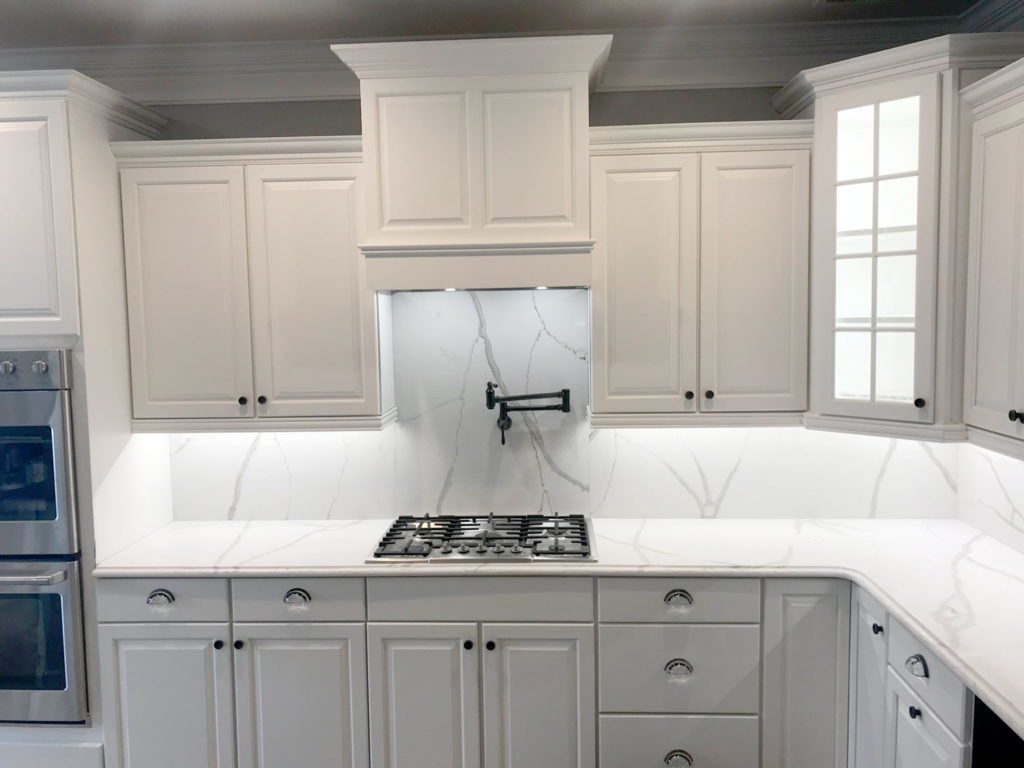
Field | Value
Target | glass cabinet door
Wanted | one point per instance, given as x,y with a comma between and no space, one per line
875,249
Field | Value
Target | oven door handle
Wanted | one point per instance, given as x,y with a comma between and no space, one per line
44,580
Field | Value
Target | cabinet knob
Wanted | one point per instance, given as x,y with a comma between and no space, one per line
468,645
917,665
160,597
877,629
678,598
688,394
678,668
489,645
678,757
914,713
239,645
262,400
1016,416
297,596
919,402
218,644
710,394
243,400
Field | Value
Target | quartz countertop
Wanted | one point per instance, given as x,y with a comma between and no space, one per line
961,592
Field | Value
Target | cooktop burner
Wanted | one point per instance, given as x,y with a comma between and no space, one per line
495,537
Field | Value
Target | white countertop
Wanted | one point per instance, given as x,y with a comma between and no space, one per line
960,591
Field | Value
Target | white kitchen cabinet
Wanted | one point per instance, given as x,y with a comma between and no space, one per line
868,639
538,695
300,689
247,297
915,737
699,282
805,673
167,695
424,695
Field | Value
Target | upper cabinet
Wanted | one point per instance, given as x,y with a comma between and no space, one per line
888,232
50,123
994,382
247,298
476,153
699,287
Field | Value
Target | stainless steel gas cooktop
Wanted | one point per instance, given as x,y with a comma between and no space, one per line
494,538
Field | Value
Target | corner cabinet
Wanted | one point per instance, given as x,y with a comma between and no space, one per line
247,299
699,285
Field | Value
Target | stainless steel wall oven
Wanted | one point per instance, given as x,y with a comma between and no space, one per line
42,675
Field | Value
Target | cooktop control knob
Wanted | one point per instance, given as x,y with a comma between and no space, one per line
463,549
516,549
446,548
498,548
39,367
481,547
7,368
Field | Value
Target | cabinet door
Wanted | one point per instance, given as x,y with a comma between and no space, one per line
424,695
644,284
868,630
875,250
915,738
806,663
39,289
539,705
188,291
167,699
314,325
994,382
753,280
301,693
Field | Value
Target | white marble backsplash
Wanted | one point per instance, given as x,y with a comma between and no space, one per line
991,494
444,454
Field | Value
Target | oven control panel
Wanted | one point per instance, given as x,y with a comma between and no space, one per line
22,370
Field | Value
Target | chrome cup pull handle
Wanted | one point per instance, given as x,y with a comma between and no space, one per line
678,598
917,665
678,668
678,757
160,597
297,597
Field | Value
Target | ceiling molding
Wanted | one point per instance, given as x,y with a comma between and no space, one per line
669,58
993,16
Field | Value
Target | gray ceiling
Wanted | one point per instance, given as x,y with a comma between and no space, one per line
46,23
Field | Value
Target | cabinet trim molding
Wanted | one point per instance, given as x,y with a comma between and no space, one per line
313,149
739,419
267,424
661,138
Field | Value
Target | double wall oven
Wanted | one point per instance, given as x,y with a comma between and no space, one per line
42,675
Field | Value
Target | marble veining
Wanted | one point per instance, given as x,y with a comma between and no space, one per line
991,496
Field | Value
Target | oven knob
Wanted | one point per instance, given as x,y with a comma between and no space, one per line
498,548
516,549
446,548
39,367
7,368
481,547
463,549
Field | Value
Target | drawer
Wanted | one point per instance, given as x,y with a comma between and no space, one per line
480,598
916,735
162,600
941,690
680,668
665,601
321,599
649,741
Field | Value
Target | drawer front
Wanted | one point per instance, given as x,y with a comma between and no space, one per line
298,599
703,668
162,600
916,735
665,601
650,741
941,690
480,598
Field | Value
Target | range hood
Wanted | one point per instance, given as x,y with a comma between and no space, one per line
476,160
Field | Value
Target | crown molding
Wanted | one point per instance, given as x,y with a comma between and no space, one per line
998,90
86,93
219,151
977,50
993,16
652,139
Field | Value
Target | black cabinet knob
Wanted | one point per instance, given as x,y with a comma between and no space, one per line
710,394
490,645
914,713
243,400
239,645
262,400
468,645
877,629
1016,416
919,402
218,644
688,394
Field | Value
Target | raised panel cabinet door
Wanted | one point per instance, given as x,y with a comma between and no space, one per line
805,673
868,640
313,320
994,381
424,692
753,280
644,283
915,737
538,693
167,695
301,695
188,291
39,288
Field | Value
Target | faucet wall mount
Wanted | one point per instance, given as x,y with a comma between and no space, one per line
502,401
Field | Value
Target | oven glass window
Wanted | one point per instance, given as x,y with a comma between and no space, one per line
27,488
31,643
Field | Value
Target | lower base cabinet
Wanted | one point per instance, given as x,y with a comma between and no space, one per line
915,737
711,741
